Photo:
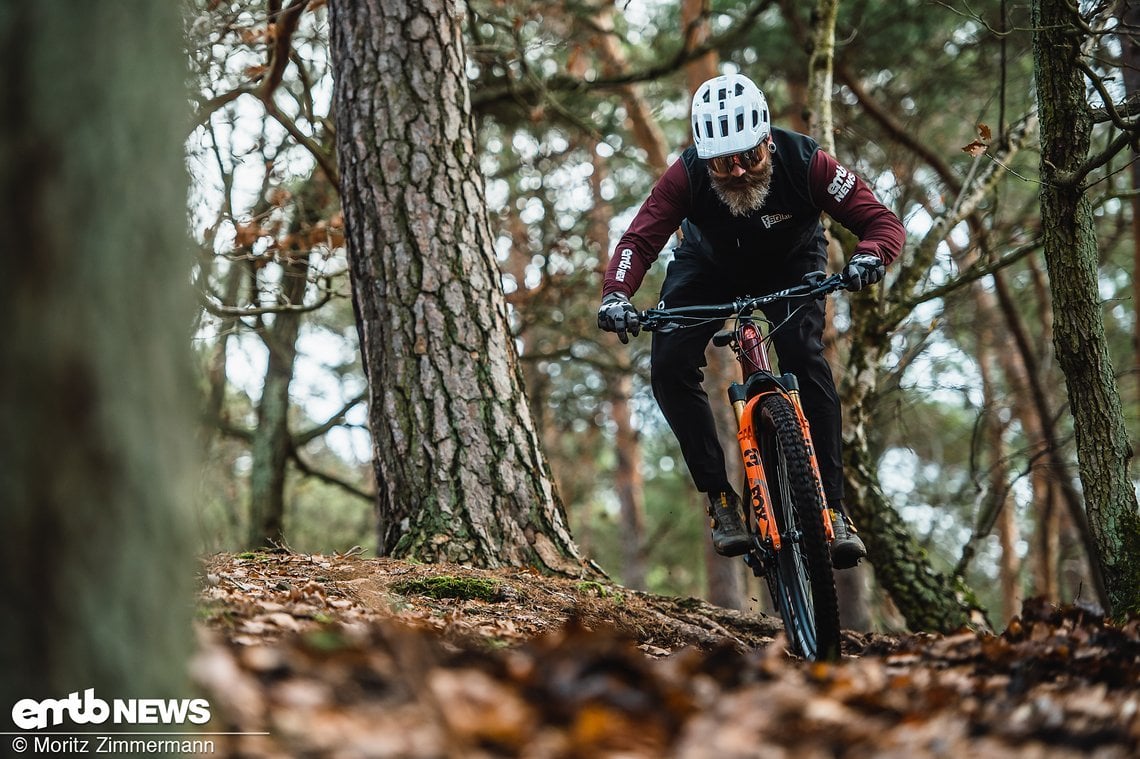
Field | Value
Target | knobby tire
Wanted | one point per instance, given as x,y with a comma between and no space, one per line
801,582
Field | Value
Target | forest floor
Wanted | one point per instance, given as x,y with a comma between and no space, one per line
351,657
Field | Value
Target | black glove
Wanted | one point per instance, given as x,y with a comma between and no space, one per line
862,270
617,314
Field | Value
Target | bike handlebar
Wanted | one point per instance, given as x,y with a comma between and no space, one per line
816,285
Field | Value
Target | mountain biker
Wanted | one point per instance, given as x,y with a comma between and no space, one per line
747,198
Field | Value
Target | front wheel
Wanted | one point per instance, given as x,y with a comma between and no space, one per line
800,581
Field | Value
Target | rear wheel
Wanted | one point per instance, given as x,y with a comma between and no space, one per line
800,581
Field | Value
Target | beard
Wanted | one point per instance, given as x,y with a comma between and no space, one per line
746,193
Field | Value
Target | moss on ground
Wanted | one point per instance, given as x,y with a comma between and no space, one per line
450,586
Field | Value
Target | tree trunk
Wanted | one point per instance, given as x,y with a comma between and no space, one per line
95,394
993,431
216,377
1010,564
272,441
695,23
1130,73
1103,450
628,483
725,576
821,73
1047,538
926,598
460,473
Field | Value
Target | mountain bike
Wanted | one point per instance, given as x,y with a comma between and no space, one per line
785,507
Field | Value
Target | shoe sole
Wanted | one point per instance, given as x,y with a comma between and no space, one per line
732,549
846,561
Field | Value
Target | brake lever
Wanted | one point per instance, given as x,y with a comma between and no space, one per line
826,285
813,279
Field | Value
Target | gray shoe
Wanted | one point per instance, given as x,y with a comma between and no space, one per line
847,550
729,538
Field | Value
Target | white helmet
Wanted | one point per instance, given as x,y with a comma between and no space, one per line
730,115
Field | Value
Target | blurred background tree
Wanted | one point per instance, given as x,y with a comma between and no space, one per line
95,394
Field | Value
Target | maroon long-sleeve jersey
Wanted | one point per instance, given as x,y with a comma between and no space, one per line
805,182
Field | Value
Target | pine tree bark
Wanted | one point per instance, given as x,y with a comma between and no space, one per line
95,391
460,473
1071,255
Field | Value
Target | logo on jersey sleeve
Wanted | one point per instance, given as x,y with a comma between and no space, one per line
841,184
625,263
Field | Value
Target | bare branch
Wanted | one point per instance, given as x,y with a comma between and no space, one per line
284,24
1122,140
896,130
330,479
207,108
974,273
333,421
213,305
532,91
1106,98
975,189
1122,110
323,158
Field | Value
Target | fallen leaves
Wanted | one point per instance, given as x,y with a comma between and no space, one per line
341,665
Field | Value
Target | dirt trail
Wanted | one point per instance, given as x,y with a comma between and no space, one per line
341,656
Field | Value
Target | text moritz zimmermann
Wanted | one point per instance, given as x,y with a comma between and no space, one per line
107,744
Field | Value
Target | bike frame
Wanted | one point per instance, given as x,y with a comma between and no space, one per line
751,347
750,344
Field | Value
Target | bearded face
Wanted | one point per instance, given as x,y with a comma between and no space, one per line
746,192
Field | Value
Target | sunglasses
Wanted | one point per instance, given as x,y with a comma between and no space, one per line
747,159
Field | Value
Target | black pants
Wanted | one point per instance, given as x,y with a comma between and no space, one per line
694,278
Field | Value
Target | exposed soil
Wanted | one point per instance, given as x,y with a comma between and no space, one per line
350,657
